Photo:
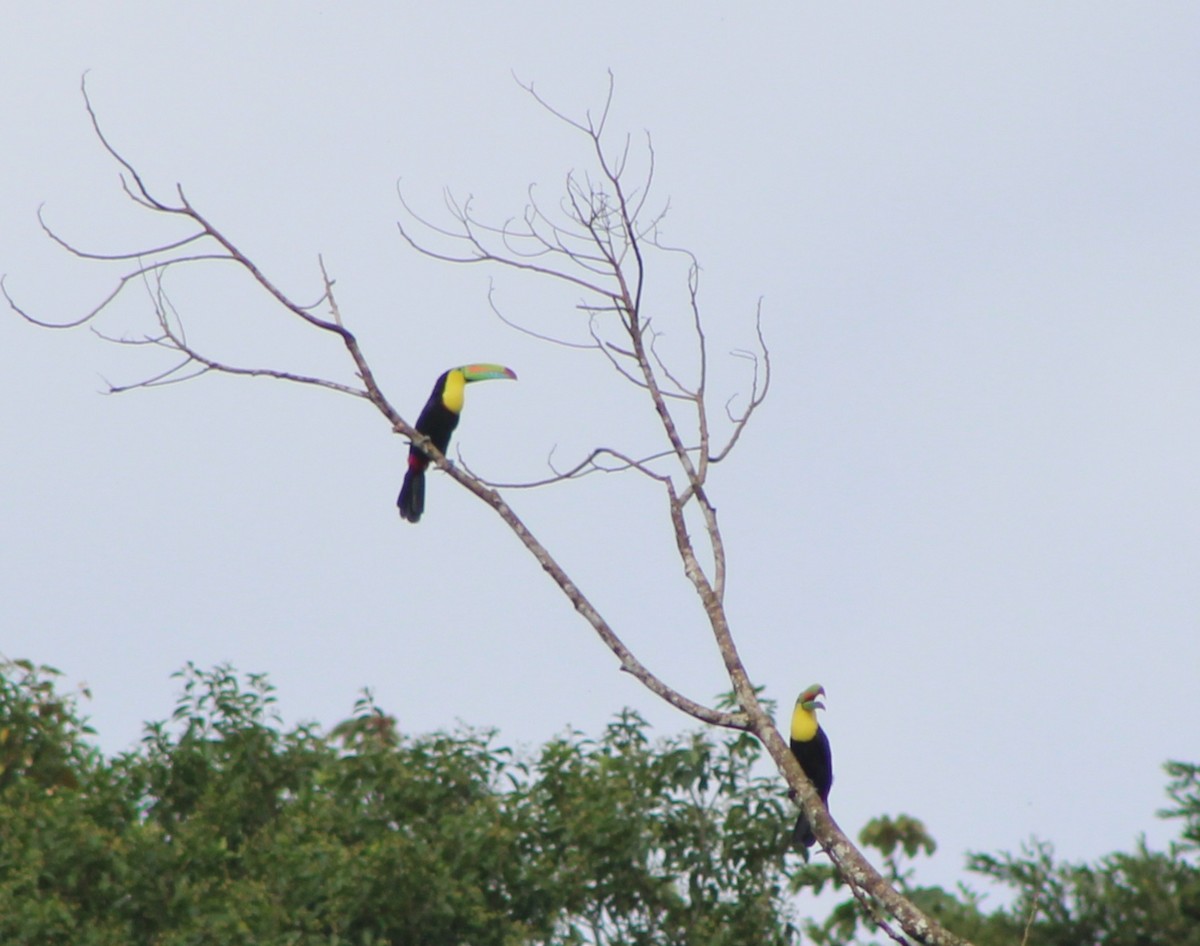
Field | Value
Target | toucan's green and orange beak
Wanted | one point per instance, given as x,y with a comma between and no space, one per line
486,372
808,699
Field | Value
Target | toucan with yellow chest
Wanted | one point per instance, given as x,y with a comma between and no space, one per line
438,419
810,746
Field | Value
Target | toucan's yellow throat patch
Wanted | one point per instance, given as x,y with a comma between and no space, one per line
804,716
454,391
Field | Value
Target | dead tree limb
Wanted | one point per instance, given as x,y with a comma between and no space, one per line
598,241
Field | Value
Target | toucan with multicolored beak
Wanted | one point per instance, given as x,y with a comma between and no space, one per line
438,419
810,746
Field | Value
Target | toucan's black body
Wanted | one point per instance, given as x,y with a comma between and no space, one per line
438,419
810,746
437,422
817,761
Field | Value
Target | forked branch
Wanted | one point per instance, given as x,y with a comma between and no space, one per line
598,244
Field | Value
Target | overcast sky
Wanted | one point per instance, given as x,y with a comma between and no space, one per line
970,507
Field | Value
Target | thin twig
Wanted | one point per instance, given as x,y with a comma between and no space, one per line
1033,909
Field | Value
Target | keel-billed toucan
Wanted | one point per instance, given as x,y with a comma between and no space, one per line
438,419
810,746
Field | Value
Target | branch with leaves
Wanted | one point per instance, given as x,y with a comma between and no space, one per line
596,240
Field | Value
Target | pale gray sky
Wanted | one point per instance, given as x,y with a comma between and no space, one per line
970,507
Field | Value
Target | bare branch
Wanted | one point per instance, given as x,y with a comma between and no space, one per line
629,662
757,395
477,252
172,338
590,128
628,299
135,254
104,303
871,909
682,391
142,196
1033,907
528,331
328,295
587,466
596,241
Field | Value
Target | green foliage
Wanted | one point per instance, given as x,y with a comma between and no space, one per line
225,827
55,809
41,737
892,835
672,843
1125,899
1184,791
1141,898
896,839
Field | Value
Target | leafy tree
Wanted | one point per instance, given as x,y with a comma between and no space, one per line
1124,899
59,814
42,741
225,827
1138,898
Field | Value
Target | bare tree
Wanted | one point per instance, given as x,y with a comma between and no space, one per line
596,239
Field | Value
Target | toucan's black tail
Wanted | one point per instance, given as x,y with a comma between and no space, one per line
802,834
411,501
